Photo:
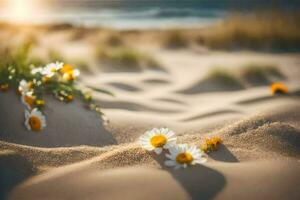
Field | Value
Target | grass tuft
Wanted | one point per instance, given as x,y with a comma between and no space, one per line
273,31
114,40
175,39
225,78
55,55
126,57
260,74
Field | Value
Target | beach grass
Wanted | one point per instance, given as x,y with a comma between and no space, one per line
114,40
263,30
81,64
248,74
175,39
259,74
126,57
224,77
55,55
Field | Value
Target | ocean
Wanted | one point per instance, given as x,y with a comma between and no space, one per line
133,14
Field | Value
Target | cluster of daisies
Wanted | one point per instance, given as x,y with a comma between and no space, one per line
178,155
34,118
32,83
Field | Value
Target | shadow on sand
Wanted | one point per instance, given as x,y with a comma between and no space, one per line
223,154
199,181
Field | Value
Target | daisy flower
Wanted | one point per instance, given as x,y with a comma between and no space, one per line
69,73
279,88
51,69
34,120
158,139
28,99
25,86
183,155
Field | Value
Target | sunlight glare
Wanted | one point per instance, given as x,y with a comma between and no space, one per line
20,10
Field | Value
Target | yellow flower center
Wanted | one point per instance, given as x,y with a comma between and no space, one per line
53,69
35,123
158,141
184,158
29,100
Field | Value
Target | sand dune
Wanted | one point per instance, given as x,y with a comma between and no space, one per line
67,124
252,180
78,157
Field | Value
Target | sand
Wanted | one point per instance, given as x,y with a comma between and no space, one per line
79,157
249,180
67,124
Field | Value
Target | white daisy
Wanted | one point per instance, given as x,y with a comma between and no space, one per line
158,139
25,86
28,99
184,155
51,69
35,120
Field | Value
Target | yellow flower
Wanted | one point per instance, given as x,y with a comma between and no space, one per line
211,144
69,73
70,98
40,102
279,88
4,87
66,68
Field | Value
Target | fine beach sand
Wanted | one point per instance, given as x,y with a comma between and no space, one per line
80,157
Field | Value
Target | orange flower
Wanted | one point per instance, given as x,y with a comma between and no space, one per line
70,98
69,73
4,87
66,68
211,144
279,88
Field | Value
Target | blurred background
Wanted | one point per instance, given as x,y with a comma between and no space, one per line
137,14
157,37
